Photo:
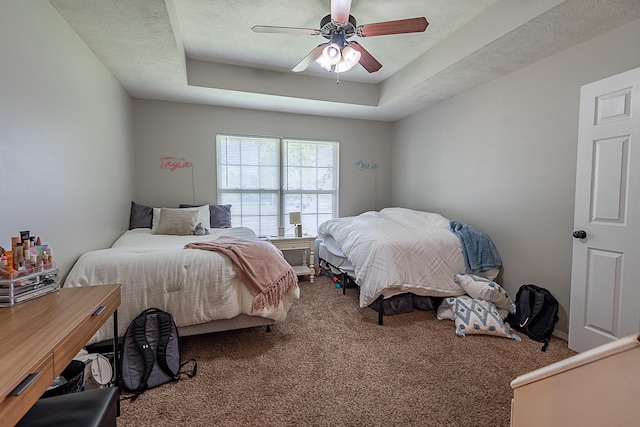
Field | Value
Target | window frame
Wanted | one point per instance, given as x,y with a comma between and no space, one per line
311,217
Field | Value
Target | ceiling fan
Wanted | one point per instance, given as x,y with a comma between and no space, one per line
339,54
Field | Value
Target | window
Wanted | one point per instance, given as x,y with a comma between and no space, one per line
266,178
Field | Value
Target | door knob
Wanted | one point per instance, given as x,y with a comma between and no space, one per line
579,234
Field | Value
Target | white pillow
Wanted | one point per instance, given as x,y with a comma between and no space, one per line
155,219
475,316
482,288
444,311
204,217
180,222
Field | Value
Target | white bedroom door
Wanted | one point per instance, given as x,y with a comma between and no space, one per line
605,277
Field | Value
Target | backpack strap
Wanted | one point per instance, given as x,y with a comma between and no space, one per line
164,326
545,345
140,338
524,306
538,303
194,368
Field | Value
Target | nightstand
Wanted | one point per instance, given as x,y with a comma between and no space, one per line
305,244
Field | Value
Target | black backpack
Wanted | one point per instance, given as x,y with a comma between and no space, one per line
536,313
150,353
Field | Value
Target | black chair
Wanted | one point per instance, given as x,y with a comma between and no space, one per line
92,408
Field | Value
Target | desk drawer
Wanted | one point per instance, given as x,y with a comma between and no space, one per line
11,407
98,317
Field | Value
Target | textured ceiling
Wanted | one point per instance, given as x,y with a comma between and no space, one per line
203,51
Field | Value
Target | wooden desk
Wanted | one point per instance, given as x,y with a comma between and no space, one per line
42,336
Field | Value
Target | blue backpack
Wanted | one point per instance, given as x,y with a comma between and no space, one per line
536,313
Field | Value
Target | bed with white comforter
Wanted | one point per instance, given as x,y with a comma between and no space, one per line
395,251
196,286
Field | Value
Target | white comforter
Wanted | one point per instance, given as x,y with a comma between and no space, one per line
398,250
195,286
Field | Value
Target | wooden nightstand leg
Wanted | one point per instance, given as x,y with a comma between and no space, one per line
313,270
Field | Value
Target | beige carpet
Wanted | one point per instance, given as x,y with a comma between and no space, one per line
330,364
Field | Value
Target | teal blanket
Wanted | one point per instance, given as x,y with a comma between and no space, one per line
480,254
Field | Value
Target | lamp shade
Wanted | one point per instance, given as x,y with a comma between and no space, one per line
350,56
341,67
331,54
324,64
294,218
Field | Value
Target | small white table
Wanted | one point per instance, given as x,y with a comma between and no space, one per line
305,244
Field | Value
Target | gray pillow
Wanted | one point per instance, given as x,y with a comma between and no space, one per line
220,215
180,222
140,216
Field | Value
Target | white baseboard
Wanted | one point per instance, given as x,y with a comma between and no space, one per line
561,335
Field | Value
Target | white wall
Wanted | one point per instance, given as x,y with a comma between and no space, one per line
189,131
502,157
66,152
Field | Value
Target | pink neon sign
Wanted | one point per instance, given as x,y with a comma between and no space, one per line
172,163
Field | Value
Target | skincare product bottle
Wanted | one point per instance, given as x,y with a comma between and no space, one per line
9,255
20,257
27,253
14,248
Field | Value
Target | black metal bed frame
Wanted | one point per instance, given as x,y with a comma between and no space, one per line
347,281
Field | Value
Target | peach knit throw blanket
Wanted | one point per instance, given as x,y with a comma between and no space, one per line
260,266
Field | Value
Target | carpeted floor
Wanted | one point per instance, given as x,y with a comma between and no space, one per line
330,364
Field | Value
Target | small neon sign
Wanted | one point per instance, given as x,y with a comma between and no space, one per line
173,163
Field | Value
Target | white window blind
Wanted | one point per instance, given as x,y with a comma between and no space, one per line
266,178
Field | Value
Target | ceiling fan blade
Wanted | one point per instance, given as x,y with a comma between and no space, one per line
401,26
310,58
340,10
285,30
369,63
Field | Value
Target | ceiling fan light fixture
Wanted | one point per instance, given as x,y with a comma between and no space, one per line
337,60
331,54
339,54
350,56
324,63
341,67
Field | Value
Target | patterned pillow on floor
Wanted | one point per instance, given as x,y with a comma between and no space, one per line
479,287
475,316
